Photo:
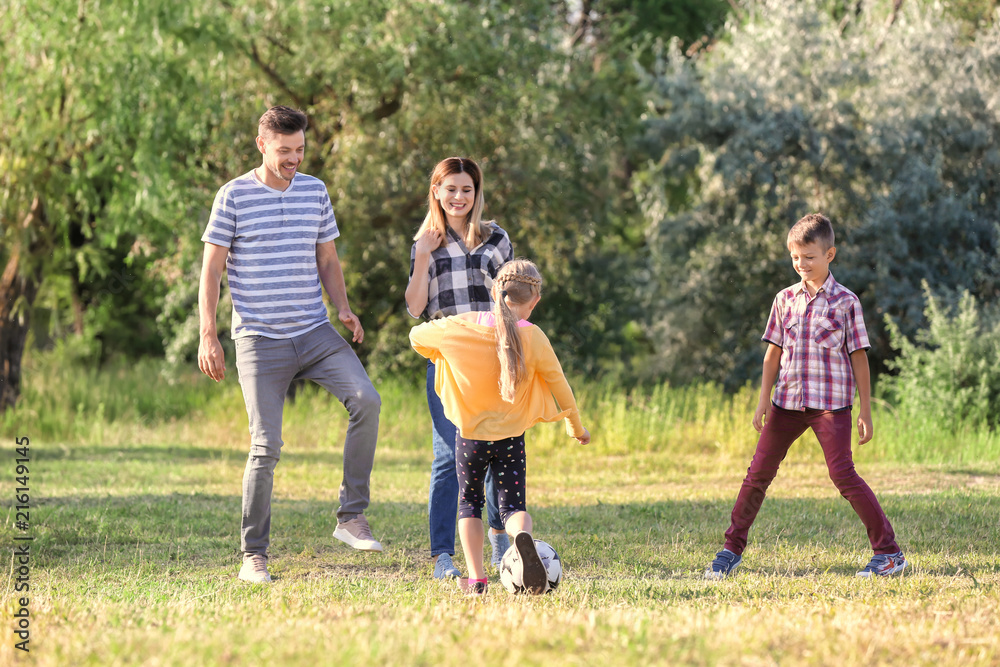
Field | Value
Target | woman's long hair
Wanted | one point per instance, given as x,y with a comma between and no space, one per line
478,230
517,283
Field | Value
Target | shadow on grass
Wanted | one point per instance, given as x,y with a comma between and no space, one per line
664,539
170,454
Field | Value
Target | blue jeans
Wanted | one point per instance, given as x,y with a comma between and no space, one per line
266,366
443,503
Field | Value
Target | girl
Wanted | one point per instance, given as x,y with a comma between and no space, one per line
497,376
453,261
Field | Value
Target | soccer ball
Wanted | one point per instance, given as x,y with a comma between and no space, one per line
510,568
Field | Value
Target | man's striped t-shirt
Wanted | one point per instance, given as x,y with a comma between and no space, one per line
272,237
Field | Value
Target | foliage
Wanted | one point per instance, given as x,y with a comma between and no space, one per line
391,89
860,124
133,115
638,23
101,120
950,373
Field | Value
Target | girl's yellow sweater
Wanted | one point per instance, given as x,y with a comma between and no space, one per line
467,378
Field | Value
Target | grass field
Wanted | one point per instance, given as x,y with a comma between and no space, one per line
135,507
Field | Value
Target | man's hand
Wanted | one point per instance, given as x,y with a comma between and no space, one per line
211,358
352,322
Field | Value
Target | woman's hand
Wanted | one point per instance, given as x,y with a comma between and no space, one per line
429,241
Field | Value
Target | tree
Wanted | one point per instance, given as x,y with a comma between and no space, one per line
99,131
391,88
895,146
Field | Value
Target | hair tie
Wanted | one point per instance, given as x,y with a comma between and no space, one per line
503,293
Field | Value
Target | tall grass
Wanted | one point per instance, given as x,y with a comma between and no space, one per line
74,403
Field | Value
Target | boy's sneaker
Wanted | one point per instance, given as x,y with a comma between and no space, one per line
357,534
254,569
500,543
884,565
444,568
534,577
723,565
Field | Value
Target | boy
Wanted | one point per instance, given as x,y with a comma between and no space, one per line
816,357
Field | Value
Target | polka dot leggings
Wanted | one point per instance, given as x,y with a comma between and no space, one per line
506,457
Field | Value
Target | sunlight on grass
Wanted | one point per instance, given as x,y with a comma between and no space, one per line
136,523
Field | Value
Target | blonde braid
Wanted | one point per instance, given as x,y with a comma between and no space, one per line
518,281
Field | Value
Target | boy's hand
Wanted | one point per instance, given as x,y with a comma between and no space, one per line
585,438
865,428
761,415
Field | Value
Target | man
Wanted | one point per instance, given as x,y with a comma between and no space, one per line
273,230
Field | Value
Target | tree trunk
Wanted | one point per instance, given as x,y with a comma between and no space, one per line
19,285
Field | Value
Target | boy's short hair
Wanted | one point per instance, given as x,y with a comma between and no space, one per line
281,120
813,228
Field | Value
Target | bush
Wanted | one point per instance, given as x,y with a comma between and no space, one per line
892,132
950,374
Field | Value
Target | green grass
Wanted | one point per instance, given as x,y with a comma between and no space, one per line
135,511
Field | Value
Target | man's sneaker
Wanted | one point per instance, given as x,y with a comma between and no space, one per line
884,565
357,534
473,587
444,568
500,543
723,565
254,569
534,577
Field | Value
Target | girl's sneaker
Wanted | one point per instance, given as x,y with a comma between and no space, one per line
534,576
884,565
473,586
723,565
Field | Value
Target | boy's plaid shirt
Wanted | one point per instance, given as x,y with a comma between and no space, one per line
460,280
817,336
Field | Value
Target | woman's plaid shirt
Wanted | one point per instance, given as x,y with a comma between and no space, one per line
817,336
459,279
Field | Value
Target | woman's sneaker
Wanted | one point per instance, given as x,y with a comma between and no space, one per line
500,543
884,565
444,568
723,565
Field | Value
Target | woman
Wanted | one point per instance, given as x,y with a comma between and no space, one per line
453,261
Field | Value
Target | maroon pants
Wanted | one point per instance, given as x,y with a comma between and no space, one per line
833,429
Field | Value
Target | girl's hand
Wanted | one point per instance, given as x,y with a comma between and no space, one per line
585,438
429,241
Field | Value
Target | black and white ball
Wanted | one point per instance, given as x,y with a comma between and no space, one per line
510,568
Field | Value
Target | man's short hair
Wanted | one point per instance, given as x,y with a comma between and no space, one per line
813,228
281,120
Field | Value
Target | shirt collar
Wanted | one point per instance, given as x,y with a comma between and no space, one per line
830,286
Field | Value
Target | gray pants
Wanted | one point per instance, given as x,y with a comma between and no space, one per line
266,367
